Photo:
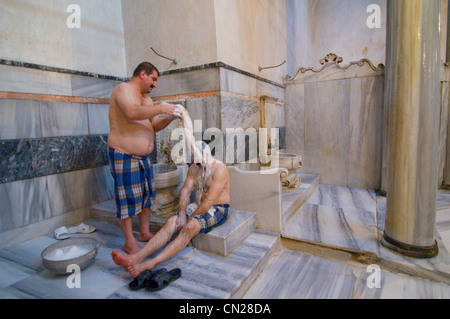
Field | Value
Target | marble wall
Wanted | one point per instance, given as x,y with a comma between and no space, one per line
334,119
221,98
39,32
53,155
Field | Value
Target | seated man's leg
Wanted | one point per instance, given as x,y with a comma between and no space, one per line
158,241
191,229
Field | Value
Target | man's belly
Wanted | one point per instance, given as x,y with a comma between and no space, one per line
138,145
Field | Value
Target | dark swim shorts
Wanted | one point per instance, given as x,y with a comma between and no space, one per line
133,179
214,217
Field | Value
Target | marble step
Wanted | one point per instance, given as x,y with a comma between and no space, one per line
293,200
337,217
225,238
222,240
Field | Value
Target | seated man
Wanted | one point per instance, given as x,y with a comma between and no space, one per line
210,179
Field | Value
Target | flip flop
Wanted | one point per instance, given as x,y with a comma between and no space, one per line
141,281
61,233
162,278
82,228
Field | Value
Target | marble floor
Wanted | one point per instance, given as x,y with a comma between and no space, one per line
338,223
343,221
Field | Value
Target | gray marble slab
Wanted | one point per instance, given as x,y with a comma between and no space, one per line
63,119
19,119
16,160
98,118
344,228
23,203
27,80
293,275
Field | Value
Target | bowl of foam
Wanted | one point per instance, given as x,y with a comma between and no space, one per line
79,251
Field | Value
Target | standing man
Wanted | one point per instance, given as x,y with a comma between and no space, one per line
133,120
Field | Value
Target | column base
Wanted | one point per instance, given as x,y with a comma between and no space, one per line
409,250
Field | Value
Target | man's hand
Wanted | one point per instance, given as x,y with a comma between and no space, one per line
181,221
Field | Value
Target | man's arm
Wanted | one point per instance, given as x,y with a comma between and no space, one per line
123,96
186,191
184,200
159,123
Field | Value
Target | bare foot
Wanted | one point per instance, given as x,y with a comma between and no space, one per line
122,260
135,269
145,237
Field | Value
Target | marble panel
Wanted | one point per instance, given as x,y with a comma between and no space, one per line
241,83
62,154
327,131
280,116
16,160
239,112
27,80
295,119
98,118
61,119
23,203
204,80
92,87
366,125
205,109
19,119
70,191
293,275
101,185
345,228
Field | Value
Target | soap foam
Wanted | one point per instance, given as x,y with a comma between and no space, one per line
69,252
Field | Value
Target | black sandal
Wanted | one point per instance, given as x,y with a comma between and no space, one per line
141,281
162,278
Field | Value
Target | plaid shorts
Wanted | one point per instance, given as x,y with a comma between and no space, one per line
214,217
133,179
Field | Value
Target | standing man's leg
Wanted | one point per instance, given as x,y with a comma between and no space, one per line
144,225
126,225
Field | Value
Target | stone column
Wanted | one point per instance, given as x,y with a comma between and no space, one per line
413,104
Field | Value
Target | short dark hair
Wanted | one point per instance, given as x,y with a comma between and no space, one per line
147,67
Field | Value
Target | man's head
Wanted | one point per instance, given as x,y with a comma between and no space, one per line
205,152
148,74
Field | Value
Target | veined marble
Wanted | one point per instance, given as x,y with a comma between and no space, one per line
344,228
19,119
204,275
336,125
